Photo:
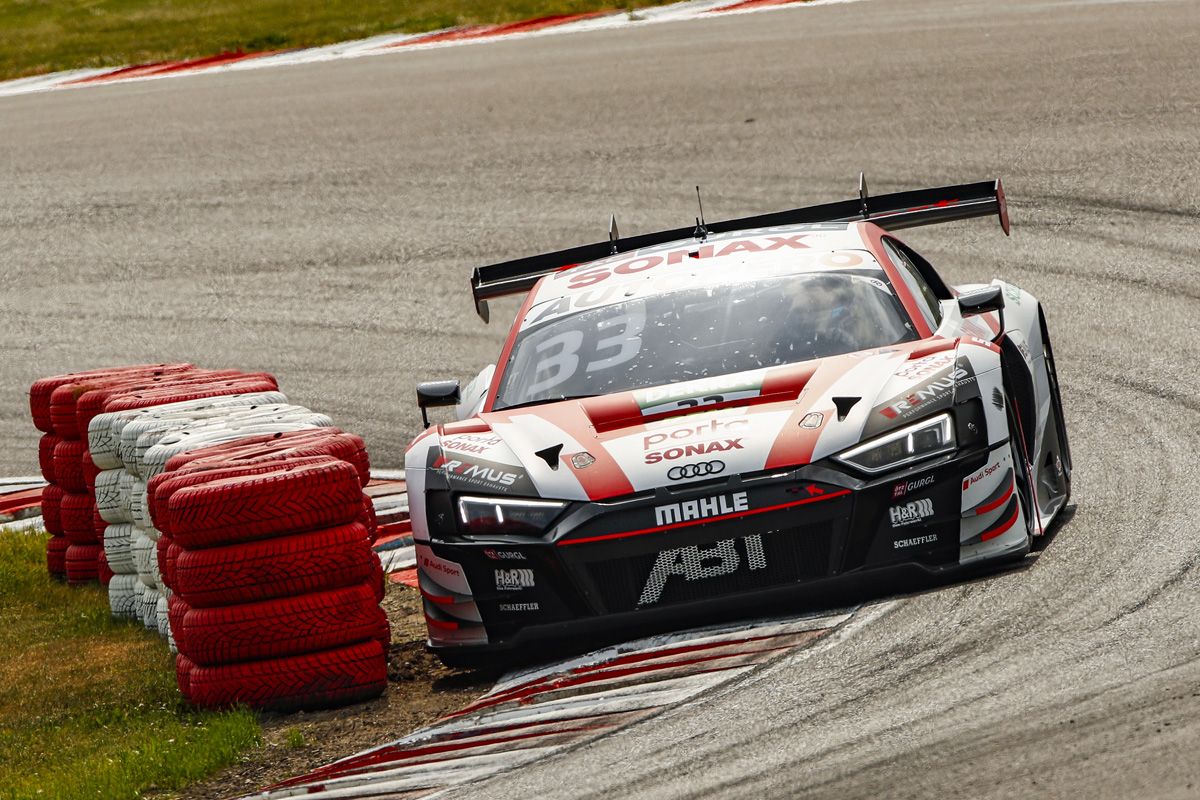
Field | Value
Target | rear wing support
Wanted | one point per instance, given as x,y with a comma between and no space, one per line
892,212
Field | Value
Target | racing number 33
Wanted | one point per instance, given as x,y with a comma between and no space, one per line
558,356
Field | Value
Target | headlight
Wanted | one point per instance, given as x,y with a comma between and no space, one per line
931,437
484,515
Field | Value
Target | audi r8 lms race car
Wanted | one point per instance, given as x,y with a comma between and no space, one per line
694,421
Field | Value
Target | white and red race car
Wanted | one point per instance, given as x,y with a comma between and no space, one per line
693,424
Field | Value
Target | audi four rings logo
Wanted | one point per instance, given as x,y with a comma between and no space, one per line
697,470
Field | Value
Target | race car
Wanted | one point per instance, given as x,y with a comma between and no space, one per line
698,422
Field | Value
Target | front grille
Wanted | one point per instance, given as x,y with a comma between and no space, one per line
744,563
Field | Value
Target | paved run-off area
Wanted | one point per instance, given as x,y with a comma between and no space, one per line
320,221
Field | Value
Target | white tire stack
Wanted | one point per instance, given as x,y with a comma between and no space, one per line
133,446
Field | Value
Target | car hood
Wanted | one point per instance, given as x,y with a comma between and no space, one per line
776,418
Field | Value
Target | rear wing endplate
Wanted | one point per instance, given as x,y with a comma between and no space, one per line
891,212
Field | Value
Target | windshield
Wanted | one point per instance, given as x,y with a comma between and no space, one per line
703,332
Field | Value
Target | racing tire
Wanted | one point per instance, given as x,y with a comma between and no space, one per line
93,398
183,674
103,572
369,520
46,446
166,569
301,563
155,459
98,523
118,548
52,497
177,609
244,383
169,556
105,430
124,599
286,627
162,486
161,617
148,608
56,556
143,550
76,514
258,507
279,446
65,401
82,563
378,579
68,466
42,389
89,470
326,679
111,504
139,513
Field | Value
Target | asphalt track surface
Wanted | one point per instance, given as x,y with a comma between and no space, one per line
320,222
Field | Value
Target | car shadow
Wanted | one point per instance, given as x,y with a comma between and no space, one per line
857,591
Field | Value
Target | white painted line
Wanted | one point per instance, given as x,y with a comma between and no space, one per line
425,776
696,636
396,560
30,525
14,484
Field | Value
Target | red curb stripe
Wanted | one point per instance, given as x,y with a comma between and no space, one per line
392,530
408,577
169,67
20,501
455,750
365,763
753,4
530,694
649,655
378,488
452,35
631,658
468,32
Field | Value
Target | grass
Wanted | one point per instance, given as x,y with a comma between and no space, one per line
88,705
38,36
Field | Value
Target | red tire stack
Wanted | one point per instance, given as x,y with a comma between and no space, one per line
72,549
63,405
266,546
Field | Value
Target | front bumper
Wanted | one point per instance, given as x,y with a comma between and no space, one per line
697,553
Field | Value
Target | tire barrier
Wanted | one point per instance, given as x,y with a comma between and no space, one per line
61,407
227,520
324,679
137,435
275,587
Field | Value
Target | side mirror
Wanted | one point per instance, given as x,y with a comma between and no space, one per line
436,393
983,301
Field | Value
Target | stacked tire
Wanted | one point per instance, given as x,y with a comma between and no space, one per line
73,550
266,547
116,439
70,402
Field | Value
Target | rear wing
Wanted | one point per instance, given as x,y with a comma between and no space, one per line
891,212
